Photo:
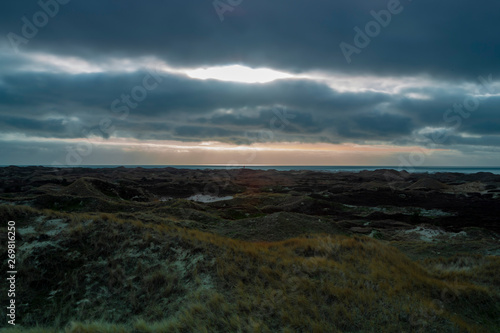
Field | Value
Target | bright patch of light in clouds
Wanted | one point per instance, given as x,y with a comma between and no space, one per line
238,73
43,62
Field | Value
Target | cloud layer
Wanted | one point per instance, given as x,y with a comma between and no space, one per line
109,70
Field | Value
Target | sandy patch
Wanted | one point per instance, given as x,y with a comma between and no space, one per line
430,235
208,198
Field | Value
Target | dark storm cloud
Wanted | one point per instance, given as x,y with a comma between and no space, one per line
493,141
486,120
71,106
452,38
452,109
176,93
64,104
48,128
377,126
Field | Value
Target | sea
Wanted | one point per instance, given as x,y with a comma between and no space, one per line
420,169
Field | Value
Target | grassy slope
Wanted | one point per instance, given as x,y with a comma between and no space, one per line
106,274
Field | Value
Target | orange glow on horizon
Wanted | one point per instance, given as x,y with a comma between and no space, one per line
172,152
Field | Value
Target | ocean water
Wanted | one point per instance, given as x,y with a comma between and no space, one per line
495,170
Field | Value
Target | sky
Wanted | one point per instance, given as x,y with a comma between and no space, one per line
241,82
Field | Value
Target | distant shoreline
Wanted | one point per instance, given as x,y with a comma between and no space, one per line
435,169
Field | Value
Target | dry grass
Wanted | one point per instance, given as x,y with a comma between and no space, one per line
125,275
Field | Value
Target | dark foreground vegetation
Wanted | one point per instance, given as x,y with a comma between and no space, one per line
137,250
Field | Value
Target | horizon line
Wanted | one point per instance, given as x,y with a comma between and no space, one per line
254,165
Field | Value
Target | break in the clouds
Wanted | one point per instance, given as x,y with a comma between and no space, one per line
129,82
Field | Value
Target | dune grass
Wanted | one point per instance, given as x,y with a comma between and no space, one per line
110,274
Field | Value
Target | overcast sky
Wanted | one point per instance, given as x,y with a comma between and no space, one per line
250,82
